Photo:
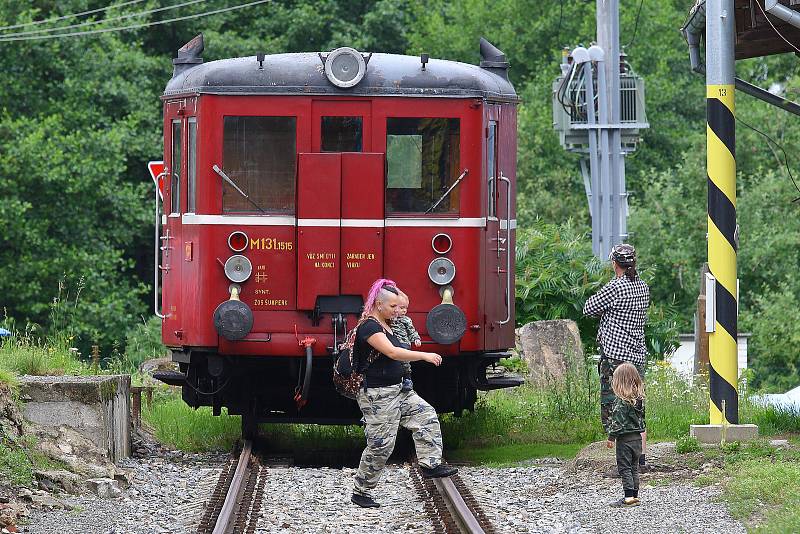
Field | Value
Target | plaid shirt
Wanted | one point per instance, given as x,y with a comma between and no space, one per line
621,305
404,329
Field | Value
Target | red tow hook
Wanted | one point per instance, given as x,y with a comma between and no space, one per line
301,393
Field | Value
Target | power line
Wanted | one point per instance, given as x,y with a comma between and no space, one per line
636,24
56,19
133,26
776,29
785,157
94,22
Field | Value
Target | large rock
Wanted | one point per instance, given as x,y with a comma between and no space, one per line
73,449
96,407
10,415
551,349
105,488
59,480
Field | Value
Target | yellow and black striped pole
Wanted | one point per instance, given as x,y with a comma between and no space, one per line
722,239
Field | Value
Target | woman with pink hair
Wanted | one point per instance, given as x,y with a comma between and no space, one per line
384,405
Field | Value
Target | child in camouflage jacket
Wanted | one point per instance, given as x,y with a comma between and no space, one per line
627,424
403,328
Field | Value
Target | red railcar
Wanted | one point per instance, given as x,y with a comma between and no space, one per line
293,181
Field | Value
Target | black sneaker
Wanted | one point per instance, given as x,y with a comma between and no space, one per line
440,471
363,501
408,385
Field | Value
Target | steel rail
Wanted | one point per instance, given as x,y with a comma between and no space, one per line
227,516
463,516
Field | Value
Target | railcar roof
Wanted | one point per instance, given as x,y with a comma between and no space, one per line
303,74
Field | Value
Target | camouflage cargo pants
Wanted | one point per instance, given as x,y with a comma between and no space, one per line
385,409
606,368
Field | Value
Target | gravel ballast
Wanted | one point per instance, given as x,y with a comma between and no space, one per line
318,500
166,495
168,492
539,499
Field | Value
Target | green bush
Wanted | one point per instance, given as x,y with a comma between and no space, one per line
515,364
557,272
686,444
774,358
672,404
143,342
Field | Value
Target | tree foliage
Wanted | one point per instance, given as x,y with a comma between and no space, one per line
557,273
79,118
666,177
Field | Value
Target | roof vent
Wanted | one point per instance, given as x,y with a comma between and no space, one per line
188,55
493,59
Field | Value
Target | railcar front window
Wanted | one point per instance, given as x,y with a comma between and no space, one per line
259,154
341,134
175,179
422,157
191,163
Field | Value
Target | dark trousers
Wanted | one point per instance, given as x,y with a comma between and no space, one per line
629,448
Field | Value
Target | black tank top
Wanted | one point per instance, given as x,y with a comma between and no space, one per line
384,371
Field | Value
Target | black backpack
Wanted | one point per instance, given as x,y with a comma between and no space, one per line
346,378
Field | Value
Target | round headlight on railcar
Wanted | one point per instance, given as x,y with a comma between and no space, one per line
238,268
441,271
237,241
441,243
345,67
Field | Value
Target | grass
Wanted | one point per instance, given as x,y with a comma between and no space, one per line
568,412
19,458
507,426
8,378
178,426
760,483
29,352
765,495
30,357
16,467
181,427
505,455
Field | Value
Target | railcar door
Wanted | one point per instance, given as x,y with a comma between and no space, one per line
507,211
171,235
340,205
362,222
497,243
319,190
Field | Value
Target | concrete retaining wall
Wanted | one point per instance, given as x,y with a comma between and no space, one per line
97,407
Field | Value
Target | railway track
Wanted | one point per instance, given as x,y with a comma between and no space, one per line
236,501
450,505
